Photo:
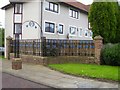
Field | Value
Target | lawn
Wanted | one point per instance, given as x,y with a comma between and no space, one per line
89,70
1,57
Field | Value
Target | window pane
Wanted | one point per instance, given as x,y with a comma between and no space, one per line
91,33
18,28
55,7
86,33
70,13
52,26
18,8
47,5
76,14
51,6
47,29
72,30
60,29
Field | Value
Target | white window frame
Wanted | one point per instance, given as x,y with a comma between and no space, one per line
49,32
63,28
75,30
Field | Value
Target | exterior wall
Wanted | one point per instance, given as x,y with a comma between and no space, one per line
8,24
63,18
34,15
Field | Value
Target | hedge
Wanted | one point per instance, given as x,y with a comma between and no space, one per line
110,54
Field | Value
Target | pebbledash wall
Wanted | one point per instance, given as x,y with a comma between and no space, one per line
59,59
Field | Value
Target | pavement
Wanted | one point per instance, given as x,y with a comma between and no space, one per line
43,75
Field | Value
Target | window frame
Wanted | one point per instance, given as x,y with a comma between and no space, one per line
62,29
53,7
15,28
48,22
73,13
21,8
70,31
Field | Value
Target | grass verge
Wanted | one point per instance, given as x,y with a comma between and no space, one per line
89,70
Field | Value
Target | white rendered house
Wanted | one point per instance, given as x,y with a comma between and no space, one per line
48,18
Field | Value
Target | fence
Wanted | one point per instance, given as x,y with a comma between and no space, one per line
69,48
54,47
28,47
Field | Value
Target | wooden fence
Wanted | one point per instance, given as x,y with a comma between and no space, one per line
55,47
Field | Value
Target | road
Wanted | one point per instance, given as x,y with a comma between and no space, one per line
10,81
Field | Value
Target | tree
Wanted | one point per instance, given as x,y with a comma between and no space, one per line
2,37
117,39
103,20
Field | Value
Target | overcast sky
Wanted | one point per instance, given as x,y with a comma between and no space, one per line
4,2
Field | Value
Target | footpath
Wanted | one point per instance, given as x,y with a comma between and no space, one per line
43,75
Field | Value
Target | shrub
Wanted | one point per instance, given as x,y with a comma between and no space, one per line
110,54
52,52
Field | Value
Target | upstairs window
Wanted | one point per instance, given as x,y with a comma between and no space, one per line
73,13
18,8
73,30
89,26
49,27
50,6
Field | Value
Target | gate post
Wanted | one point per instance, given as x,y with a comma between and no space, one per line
43,46
8,47
98,40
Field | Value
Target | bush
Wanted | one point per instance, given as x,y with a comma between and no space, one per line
52,52
110,54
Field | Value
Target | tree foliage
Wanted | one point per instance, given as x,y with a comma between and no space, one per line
2,37
103,17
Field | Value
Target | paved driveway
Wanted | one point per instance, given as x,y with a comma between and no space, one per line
46,76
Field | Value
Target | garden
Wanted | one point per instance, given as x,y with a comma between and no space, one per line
105,23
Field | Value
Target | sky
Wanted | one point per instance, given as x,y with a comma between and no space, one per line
5,2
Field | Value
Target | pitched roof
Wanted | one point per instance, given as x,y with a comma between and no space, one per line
73,3
77,4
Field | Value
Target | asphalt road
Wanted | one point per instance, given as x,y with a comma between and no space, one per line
10,81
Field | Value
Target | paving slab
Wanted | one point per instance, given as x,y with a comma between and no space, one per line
46,76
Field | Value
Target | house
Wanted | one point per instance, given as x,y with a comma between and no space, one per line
53,19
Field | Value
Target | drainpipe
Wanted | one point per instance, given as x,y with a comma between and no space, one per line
41,17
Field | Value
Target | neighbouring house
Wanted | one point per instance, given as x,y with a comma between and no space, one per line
52,19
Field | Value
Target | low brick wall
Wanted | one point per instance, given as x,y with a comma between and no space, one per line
31,59
55,60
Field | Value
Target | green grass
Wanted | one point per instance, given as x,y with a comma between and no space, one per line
1,57
89,70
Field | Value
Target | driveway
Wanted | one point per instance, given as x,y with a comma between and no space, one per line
46,76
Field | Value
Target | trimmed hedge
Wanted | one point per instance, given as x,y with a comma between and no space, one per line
110,54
